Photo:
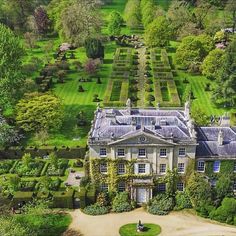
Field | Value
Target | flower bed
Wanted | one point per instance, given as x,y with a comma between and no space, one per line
60,171
34,168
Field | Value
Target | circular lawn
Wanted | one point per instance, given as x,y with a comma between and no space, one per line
149,230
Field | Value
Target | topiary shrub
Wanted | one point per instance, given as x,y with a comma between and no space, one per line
96,209
121,203
182,201
161,205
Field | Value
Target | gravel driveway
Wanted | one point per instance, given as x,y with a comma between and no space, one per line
174,224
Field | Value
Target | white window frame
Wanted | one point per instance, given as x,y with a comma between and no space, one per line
180,186
163,152
143,168
161,187
104,187
182,152
162,168
218,166
119,168
121,188
198,166
181,167
103,152
103,168
120,150
141,155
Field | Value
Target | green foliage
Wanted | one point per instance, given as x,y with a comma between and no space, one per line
212,63
37,112
171,179
46,223
10,227
227,167
198,189
26,159
94,48
11,53
182,201
225,91
199,116
53,159
158,33
96,209
131,230
115,23
161,205
132,13
224,187
63,199
192,51
85,14
121,202
226,212
102,199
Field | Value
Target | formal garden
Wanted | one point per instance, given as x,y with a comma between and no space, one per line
30,178
158,53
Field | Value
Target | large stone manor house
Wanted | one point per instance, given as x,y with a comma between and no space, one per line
156,140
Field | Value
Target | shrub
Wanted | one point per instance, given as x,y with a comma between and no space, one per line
182,201
226,212
96,209
82,197
102,199
121,203
161,205
91,195
63,199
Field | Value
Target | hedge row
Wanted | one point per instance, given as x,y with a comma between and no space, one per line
87,197
123,93
17,153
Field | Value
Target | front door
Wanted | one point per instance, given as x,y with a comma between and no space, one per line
141,195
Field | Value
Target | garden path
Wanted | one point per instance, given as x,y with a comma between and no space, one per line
141,78
72,181
182,223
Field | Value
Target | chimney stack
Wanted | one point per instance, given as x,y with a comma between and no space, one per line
220,138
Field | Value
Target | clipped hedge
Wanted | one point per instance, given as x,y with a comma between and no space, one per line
22,197
82,197
18,152
63,199
91,195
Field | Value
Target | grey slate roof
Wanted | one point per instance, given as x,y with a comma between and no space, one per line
208,142
117,123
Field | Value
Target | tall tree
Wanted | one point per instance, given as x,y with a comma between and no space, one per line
158,33
79,22
230,10
11,54
225,90
42,20
94,48
115,23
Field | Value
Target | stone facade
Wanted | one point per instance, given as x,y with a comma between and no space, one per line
154,140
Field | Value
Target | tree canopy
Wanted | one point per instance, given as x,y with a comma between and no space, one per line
11,54
37,112
158,33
